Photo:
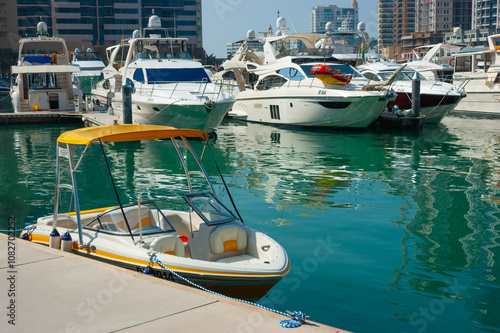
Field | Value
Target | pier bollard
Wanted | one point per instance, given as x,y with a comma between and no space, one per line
415,95
127,104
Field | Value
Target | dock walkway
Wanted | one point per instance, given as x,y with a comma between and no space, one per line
55,291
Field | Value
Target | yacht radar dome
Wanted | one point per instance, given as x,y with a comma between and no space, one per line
136,34
41,28
89,50
251,34
361,26
154,22
281,24
329,27
77,50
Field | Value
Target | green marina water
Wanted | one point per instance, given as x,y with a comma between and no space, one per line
386,231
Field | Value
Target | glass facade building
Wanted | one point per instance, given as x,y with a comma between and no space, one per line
88,23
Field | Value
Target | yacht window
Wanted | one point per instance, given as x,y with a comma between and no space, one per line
371,76
271,81
463,64
402,76
229,75
155,75
291,73
139,75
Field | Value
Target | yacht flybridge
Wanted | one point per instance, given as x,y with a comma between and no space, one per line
301,85
205,243
168,87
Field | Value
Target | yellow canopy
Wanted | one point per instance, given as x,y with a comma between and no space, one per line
131,132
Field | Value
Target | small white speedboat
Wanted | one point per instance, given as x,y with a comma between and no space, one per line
205,243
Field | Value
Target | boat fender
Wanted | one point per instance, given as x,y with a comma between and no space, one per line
55,239
66,242
452,62
148,271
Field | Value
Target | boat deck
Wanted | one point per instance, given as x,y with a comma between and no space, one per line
58,291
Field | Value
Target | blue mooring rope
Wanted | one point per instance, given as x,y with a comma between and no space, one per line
297,317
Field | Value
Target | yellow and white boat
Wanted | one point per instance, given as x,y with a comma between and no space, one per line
206,243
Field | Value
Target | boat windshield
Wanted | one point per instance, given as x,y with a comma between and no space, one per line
159,75
402,76
146,216
209,208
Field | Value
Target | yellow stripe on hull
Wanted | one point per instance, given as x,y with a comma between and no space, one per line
113,257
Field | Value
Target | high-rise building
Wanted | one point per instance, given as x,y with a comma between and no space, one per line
345,18
86,23
485,14
396,18
443,15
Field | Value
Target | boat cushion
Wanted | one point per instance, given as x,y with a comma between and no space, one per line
168,244
228,238
132,217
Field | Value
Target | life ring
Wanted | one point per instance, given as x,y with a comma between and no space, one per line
331,75
452,62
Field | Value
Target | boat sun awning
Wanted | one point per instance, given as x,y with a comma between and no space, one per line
130,132
45,69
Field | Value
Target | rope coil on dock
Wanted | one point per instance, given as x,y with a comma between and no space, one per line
297,317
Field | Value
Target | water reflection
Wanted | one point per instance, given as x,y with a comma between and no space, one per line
414,216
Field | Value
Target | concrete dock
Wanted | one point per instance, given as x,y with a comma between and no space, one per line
48,290
39,117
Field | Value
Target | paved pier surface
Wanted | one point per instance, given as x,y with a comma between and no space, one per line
62,292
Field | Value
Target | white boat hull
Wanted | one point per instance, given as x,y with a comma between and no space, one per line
237,277
175,113
482,98
293,107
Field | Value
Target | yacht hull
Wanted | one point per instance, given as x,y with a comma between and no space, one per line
352,109
483,95
433,106
175,113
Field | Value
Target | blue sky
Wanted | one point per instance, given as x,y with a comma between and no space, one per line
226,21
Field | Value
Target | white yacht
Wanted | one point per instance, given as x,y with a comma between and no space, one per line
479,72
90,65
301,85
44,75
168,87
437,98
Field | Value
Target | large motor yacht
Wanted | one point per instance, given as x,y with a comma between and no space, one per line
301,85
168,87
479,73
437,98
43,75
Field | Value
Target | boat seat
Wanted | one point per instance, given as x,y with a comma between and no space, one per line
63,221
168,244
132,214
228,238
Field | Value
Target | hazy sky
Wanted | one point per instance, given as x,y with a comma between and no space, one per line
226,21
